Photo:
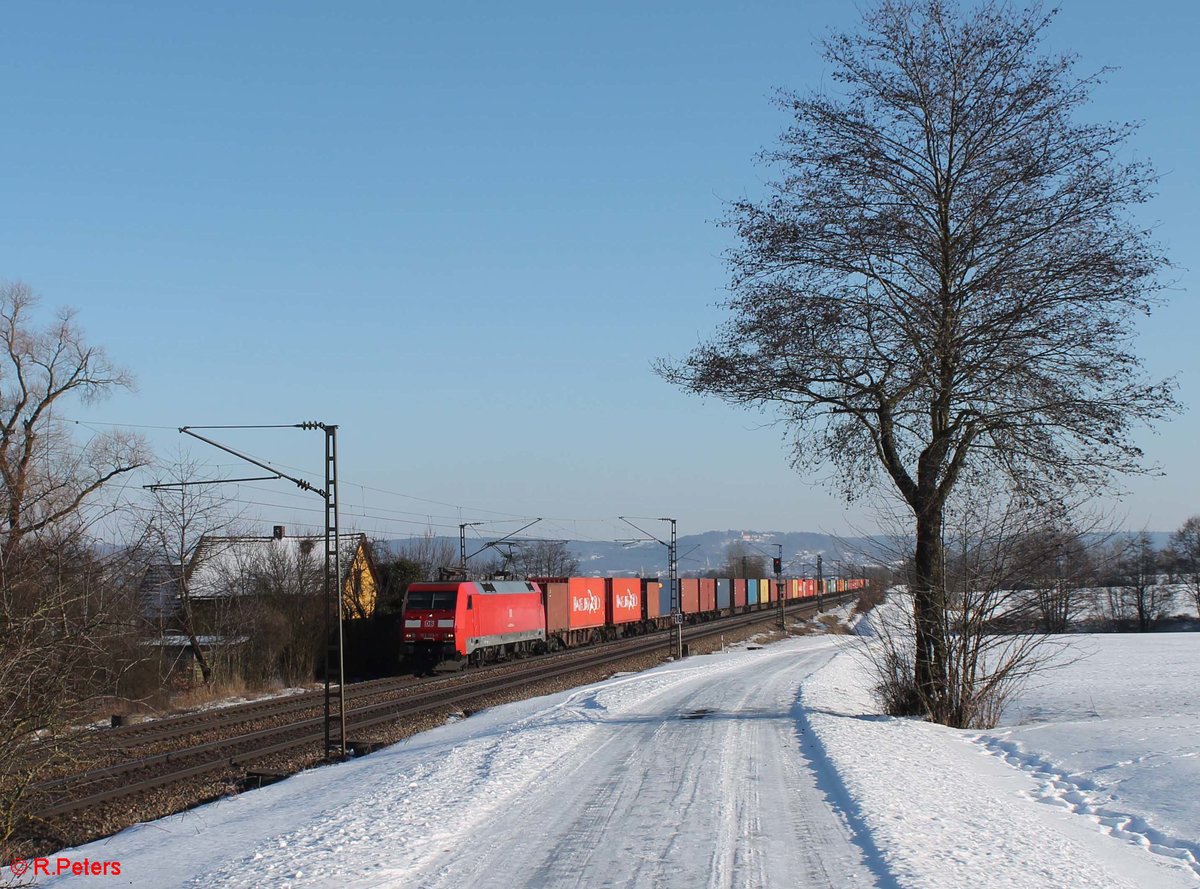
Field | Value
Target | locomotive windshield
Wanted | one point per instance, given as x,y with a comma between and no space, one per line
431,600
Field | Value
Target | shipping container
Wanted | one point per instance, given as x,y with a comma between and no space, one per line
751,591
724,594
766,591
739,592
624,599
665,597
708,594
650,598
575,605
689,590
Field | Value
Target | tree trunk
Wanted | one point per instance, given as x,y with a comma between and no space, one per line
928,591
198,654
189,628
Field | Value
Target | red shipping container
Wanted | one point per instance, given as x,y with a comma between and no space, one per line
574,605
624,597
587,607
650,594
557,606
739,592
689,592
708,594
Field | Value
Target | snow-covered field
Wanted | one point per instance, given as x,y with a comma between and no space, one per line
759,767
956,808
1115,736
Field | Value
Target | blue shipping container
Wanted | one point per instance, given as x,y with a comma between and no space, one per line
664,597
751,592
724,593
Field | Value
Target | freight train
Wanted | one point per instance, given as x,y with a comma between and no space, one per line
458,622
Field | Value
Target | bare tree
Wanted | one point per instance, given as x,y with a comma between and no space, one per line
1185,557
47,476
64,614
183,511
395,572
1137,596
544,558
1055,565
940,284
741,562
431,552
289,584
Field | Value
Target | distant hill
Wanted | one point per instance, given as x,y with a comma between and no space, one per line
700,553
708,551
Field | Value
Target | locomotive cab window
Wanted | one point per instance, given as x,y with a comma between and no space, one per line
422,600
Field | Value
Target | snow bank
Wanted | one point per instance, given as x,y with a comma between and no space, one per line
941,809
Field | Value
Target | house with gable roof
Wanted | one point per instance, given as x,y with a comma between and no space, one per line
225,566
254,601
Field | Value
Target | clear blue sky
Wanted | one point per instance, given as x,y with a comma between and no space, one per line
463,231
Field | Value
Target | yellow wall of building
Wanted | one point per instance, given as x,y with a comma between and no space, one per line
359,576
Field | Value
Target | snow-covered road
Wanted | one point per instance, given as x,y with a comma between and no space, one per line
691,777
692,774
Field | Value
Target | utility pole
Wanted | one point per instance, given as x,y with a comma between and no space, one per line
779,586
677,607
672,578
334,656
820,588
462,547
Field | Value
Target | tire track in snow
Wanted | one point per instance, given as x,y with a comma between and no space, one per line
737,822
829,782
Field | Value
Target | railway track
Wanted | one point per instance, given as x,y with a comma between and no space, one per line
369,704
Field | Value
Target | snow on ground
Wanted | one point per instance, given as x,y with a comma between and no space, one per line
761,768
1115,736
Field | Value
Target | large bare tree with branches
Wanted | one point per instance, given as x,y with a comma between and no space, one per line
64,611
47,476
943,278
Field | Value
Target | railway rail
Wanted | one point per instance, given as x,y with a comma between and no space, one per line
398,698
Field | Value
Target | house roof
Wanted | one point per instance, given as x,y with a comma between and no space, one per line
159,589
221,566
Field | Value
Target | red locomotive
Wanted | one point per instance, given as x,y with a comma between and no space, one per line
480,620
